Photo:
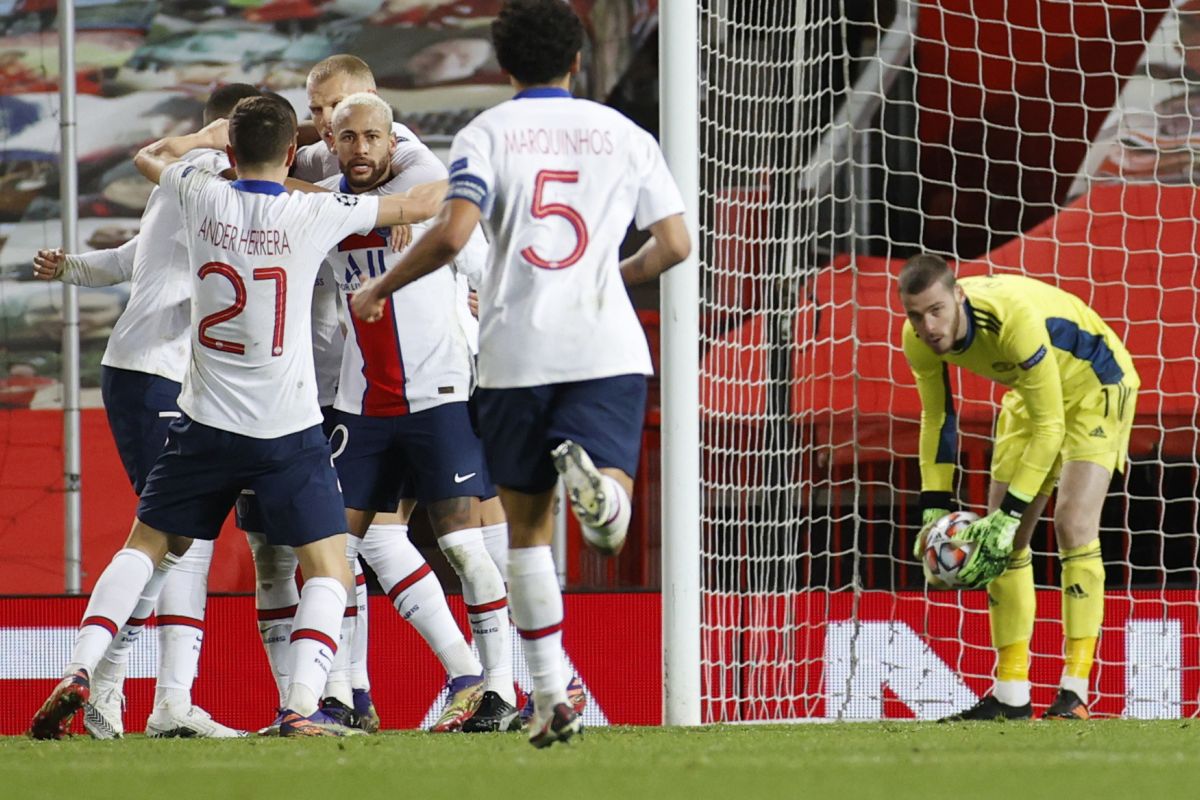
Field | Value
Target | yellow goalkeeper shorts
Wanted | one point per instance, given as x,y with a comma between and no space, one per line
1098,428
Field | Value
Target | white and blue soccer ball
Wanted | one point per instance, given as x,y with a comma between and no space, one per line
945,555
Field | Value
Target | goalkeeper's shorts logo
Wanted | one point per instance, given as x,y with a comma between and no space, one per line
1098,433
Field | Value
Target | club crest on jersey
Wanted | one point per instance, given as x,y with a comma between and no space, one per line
1033,360
347,200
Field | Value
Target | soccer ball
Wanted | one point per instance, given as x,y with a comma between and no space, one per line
944,555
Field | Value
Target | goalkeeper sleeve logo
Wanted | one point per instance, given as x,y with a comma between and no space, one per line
1034,359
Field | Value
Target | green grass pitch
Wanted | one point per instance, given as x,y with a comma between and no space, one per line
1016,761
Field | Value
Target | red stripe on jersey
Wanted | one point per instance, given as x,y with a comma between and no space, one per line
383,364
360,579
134,621
103,622
316,636
413,577
272,614
542,632
175,619
357,241
483,608
351,611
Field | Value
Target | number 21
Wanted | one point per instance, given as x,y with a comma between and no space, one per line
226,271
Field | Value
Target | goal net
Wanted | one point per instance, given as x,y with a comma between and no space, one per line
1049,138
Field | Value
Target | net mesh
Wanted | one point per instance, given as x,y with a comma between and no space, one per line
1054,139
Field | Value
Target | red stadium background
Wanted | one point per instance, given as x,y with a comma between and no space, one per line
908,648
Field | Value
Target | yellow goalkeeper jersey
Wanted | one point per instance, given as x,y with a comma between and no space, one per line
1036,339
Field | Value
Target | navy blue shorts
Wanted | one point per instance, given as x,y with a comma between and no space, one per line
427,456
202,470
489,488
521,426
247,514
139,406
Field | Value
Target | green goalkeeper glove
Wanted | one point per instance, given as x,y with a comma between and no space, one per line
928,517
993,540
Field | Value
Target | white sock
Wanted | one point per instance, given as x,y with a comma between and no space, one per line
110,672
338,685
537,611
314,641
112,603
418,597
359,677
487,606
1011,693
180,608
617,510
1077,685
276,598
495,539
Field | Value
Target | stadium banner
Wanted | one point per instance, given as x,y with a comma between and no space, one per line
903,658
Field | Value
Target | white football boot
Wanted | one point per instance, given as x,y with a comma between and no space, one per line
592,505
102,712
167,722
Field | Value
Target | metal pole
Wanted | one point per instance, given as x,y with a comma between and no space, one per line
69,210
679,114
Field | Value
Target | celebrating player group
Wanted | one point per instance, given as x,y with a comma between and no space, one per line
298,345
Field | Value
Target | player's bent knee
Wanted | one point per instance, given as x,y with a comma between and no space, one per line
326,558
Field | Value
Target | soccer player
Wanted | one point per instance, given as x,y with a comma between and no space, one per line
562,358
403,431
1065,420
329,81
250,416
141,373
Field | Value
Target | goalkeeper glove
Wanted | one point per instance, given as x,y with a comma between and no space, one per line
993,540
928,517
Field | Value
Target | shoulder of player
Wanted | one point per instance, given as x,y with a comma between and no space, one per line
207,158
986,302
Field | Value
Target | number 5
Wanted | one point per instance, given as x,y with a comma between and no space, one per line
541,210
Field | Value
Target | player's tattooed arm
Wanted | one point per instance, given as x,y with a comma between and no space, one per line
669,244
416,205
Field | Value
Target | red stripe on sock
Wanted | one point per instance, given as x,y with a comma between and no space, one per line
316,636
416,575
271,614
542,632
351,611
136,621
483,608
360,580
103,622
176,619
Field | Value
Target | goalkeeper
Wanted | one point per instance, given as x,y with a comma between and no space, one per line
1066,419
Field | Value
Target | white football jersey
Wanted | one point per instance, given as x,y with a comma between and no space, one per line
153,332
558,181
315,163
417,356
254,251
327,337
